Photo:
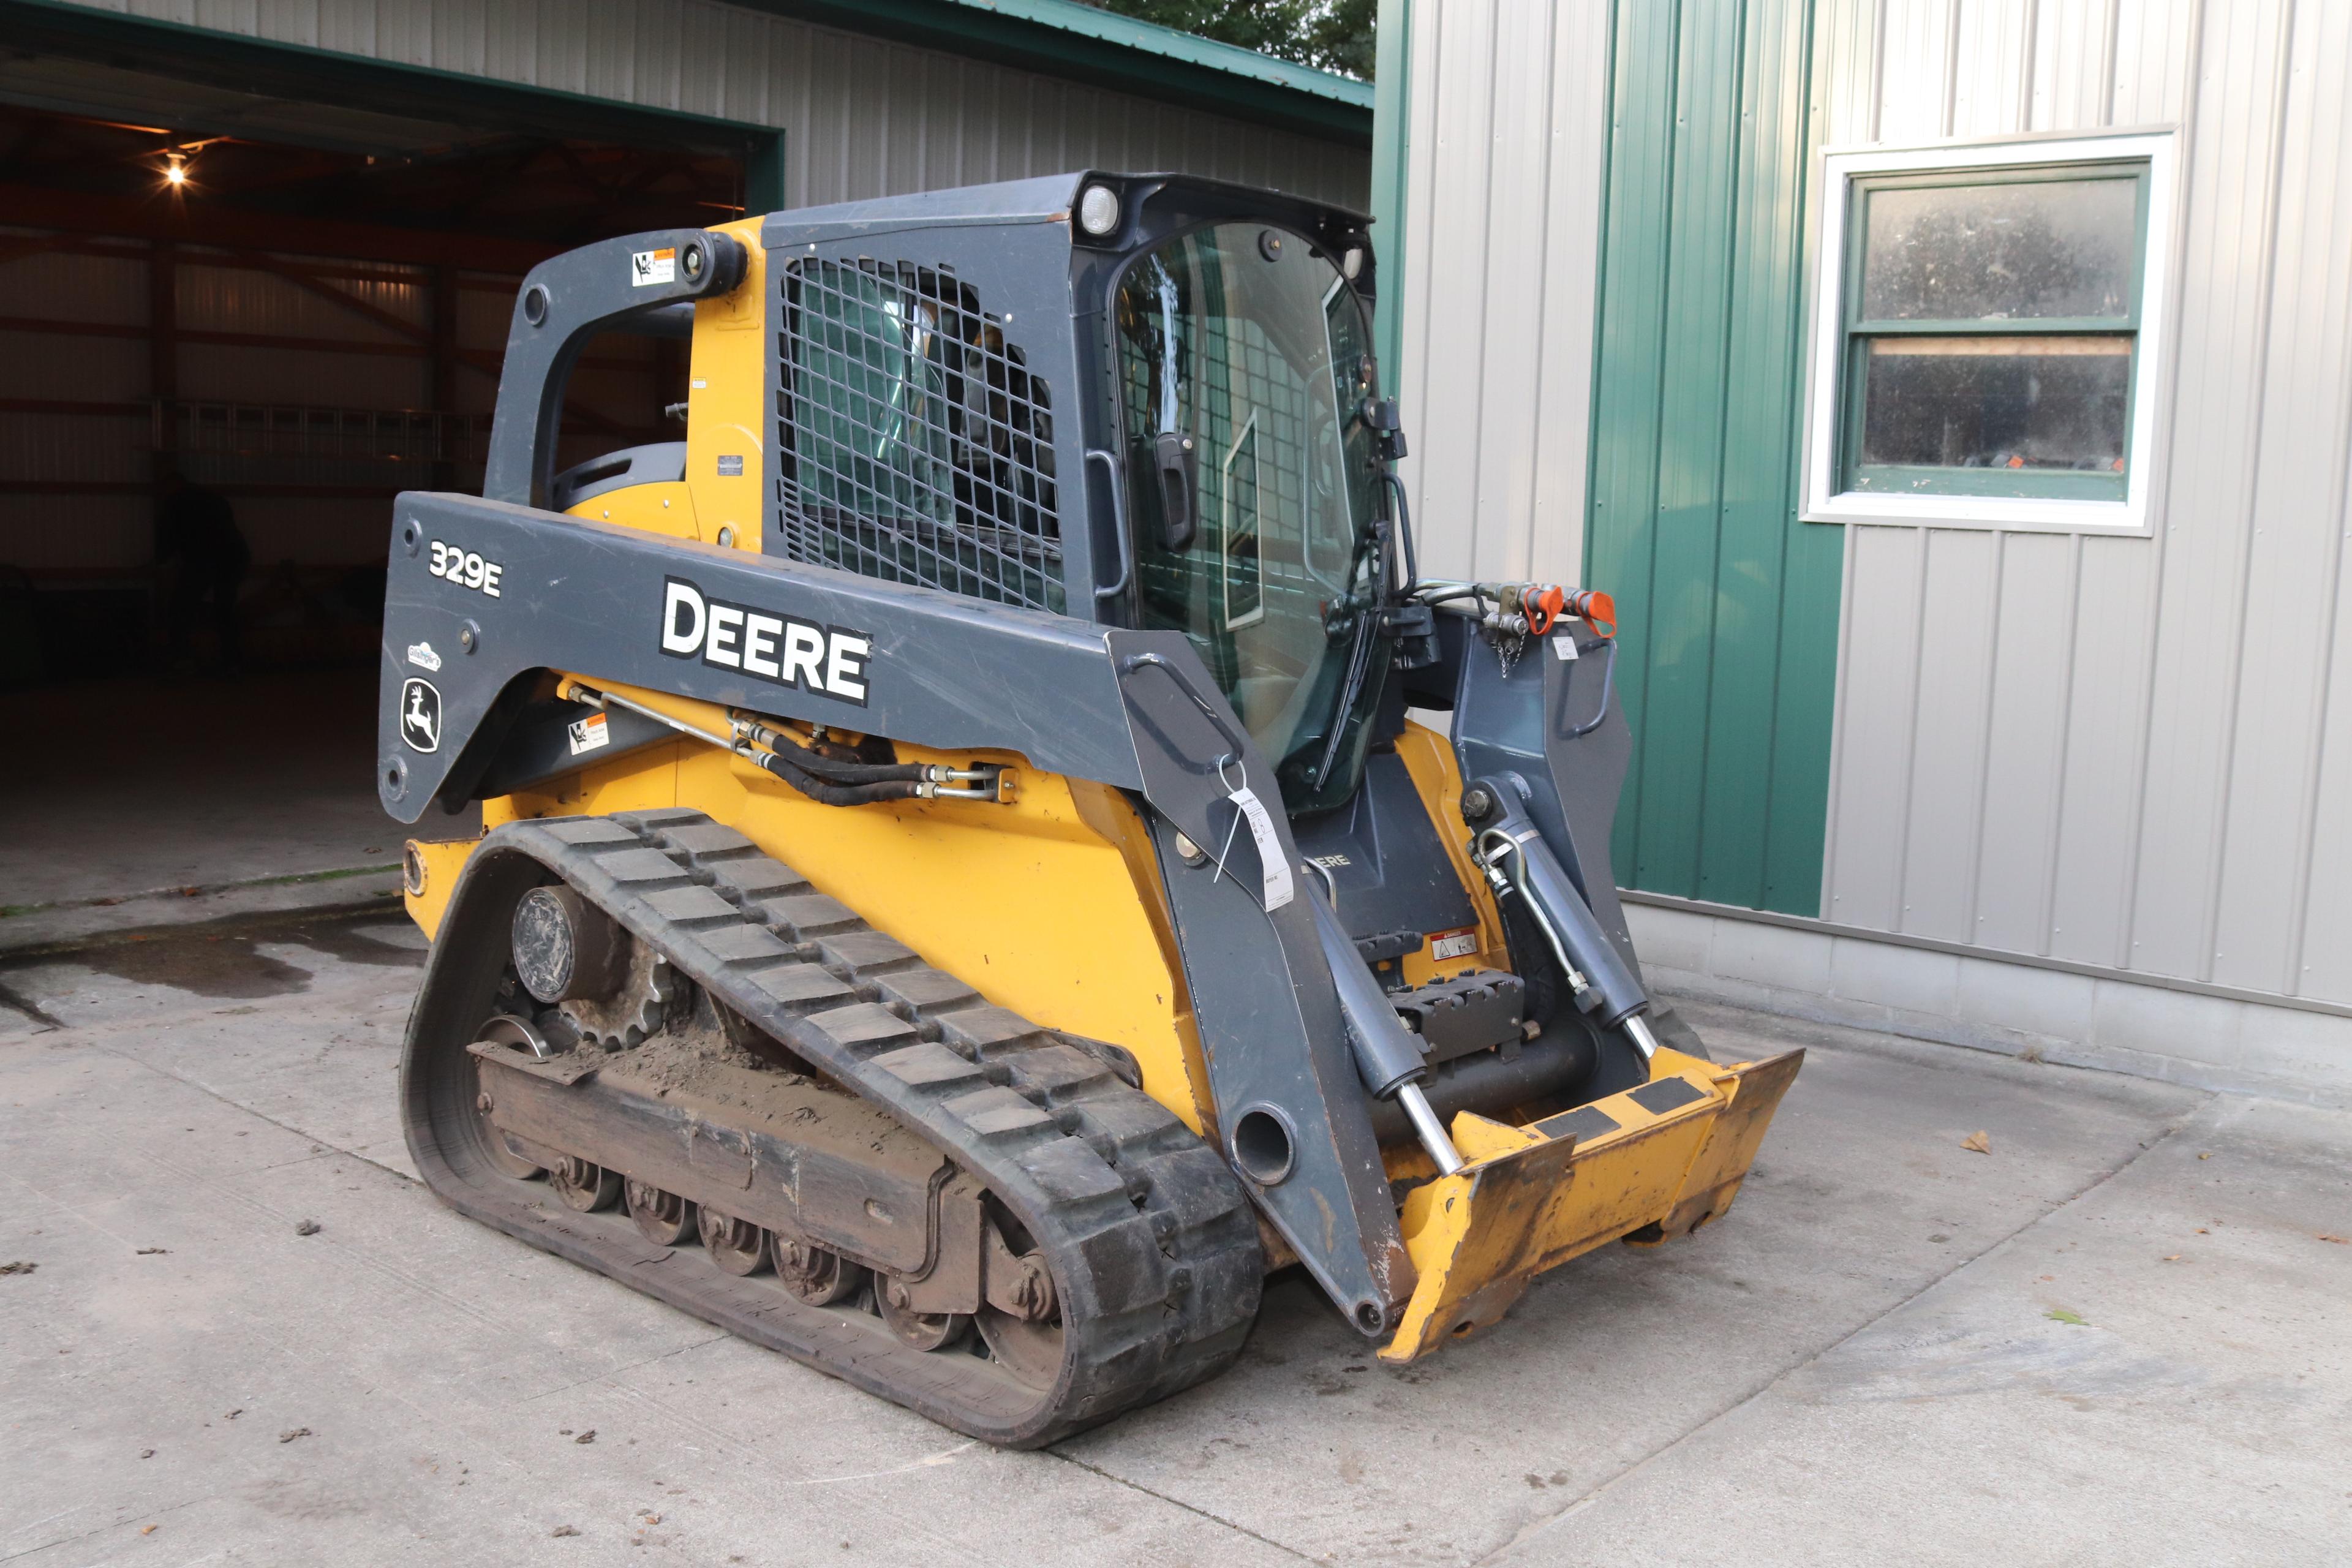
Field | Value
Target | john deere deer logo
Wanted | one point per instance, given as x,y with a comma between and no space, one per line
420,716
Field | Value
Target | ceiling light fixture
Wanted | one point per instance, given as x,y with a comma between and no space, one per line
176,168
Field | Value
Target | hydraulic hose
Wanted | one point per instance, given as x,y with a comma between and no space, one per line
831,769
837,771
825,791
907,780
1603,984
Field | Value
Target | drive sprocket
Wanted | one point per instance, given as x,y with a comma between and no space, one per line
649,997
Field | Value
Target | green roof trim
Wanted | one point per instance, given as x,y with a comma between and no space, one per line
1102,48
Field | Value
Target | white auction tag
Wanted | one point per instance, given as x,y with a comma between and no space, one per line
1269,847
1563,648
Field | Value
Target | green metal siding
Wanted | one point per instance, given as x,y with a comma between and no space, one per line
1728,604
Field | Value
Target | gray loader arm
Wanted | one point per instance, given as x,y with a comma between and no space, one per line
1133,709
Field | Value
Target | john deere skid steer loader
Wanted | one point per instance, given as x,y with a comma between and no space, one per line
962,899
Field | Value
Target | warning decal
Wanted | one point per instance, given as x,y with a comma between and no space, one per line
1445,944
590,733
651,267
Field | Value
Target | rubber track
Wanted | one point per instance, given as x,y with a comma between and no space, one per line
1150,1240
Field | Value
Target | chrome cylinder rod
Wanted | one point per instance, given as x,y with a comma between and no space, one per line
1637,1029
1432,1131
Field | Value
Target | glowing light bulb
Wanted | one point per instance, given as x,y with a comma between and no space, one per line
175,171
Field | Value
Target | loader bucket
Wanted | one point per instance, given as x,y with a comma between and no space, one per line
1656,1162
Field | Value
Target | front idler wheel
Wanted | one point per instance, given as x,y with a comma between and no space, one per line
663,1218
504,1155
1021,1321
1032,1352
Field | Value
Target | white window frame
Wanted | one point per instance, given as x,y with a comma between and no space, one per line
1824,502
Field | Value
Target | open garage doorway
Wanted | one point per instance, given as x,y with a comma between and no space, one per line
247,294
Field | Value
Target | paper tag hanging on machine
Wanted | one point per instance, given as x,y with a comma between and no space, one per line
1275,866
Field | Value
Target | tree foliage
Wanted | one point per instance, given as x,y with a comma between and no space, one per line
1329,34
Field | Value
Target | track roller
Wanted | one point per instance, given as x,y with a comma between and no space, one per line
583,1186
919,1331
737,1246
816,1276
663,1218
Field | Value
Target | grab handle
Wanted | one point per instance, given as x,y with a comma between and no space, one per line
1118,522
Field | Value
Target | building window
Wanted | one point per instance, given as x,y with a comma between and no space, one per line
1986,333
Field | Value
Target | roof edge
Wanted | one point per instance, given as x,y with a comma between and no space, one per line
1080,43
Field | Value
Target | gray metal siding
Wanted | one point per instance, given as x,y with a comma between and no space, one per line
2124,752
862,117
2130,753
1503,203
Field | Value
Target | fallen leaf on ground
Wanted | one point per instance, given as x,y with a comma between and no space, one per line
150,1529
2061,1315
2337,1239
2172,1257
293,1432
587,1436
565,1530
152,1251
1978,1143
146,1453
307,1227
2206,1155
190,892
19,1267
2202,1231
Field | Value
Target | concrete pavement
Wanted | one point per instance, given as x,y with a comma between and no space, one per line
1876,1358
136,806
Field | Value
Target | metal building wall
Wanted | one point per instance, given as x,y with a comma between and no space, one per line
2084,797
2132,753
1620,187
863,117
1504,161
1727,605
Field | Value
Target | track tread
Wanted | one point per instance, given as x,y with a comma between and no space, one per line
1135,1211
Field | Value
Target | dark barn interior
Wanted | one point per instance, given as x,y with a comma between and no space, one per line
297,305
245,298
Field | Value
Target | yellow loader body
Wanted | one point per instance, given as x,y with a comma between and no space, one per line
1085,946
963,897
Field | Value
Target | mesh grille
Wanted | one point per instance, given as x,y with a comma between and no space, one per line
914,443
